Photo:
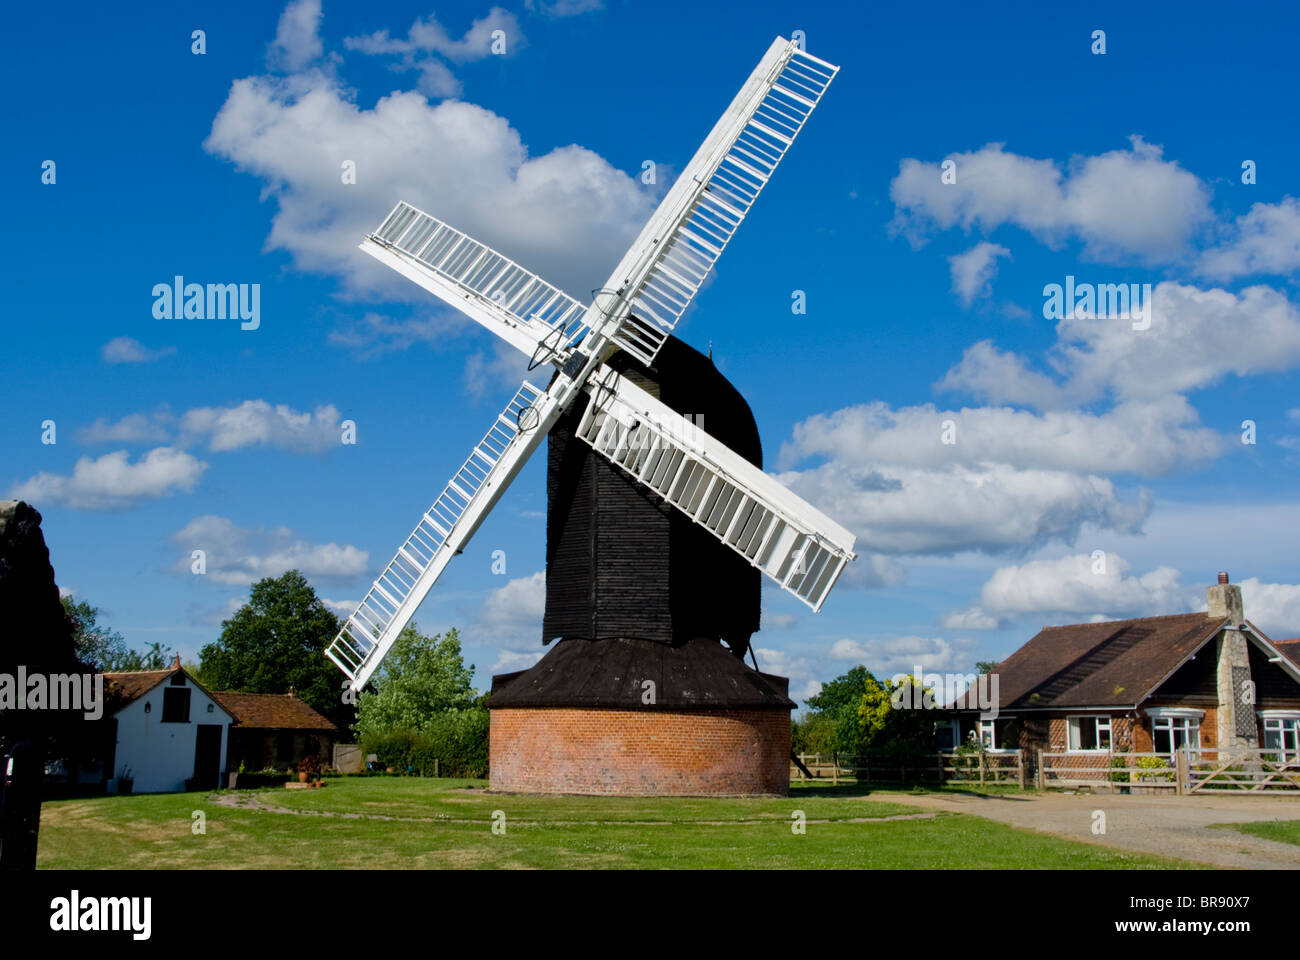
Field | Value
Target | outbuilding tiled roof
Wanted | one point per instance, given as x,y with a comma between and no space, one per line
270,711
124,688
1109,663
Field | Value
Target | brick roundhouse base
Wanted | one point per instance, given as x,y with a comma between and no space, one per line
723,752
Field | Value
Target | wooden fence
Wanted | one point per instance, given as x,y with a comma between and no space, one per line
999,767
1184,772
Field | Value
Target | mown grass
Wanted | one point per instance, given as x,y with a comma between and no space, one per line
1284,831
450,826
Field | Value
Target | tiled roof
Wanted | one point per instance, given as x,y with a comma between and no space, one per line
1289,649
124,688
1110,663
270,711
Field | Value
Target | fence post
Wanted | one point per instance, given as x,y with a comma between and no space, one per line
835,769
941,768
1042,777
1181,770
1020,772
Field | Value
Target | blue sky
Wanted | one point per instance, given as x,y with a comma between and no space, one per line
925,300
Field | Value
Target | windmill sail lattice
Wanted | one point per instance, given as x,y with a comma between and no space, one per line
799,547
701,212
787,538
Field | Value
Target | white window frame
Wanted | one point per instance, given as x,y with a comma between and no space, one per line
1103,721
1282,722
1183,718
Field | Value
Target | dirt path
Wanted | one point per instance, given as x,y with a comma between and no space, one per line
1166,826
253,802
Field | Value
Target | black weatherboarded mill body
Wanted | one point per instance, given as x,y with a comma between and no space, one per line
634,587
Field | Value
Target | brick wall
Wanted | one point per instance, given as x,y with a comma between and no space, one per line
640,752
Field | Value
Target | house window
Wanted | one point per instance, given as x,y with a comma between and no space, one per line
176,705
987,734
1089,734
1171,734
1283,735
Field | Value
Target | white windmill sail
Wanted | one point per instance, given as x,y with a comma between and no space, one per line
442,532
772,527
654,283
512,302
677,248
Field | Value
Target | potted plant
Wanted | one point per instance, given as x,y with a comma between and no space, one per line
306,767
125,779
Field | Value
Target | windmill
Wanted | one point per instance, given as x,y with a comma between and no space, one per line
759,519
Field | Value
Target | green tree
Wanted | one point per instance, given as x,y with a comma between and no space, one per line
836,708
421,678
98,647
985,666
276,642
104,649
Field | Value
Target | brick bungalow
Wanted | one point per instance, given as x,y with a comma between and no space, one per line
274,730
1212,681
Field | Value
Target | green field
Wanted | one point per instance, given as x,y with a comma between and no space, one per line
399,822
1284,831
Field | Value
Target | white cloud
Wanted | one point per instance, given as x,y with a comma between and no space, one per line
1196,338
297,36
1273,607
566,214
994,508
974,270
1077,585
1264,240
1120,204
235,554
130,350
887,656
508,661
255,423
428,36
1145,438
343,608
516,607
501,367
563,8
375,334
112,482
133,428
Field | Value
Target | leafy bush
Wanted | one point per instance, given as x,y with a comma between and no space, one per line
1159,766
454,742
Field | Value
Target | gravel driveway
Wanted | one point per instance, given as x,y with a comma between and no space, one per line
1169,826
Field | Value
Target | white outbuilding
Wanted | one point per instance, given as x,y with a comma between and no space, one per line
167,733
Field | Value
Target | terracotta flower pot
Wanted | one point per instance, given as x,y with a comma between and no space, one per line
302,776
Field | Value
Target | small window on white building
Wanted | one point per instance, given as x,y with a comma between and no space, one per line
1089,734
988,734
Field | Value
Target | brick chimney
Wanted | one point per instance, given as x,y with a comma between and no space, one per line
1238,730
176,664
1224,599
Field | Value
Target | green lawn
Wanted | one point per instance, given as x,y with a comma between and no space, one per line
447,824
1285,831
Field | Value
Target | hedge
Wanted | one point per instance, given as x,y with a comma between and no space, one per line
456,739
